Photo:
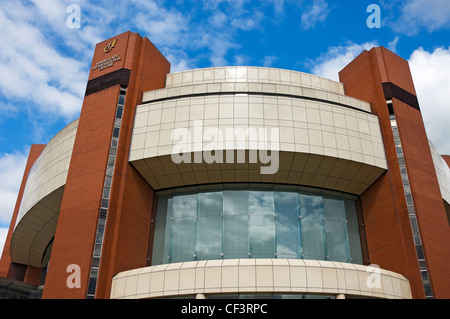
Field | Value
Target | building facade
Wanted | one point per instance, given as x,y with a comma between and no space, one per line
234,181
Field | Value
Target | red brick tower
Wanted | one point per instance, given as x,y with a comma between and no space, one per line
405,219
104,220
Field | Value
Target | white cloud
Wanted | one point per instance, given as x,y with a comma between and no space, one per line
37,72
432,83
430,14
52,11
12,167
178,59
269,60
7,109
336,58
314,13
218,19
393,45
241,60
174,32
220,46
278,6
237,5
247,23
430,76
166,27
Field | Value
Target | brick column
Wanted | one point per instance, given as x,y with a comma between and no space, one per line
126,61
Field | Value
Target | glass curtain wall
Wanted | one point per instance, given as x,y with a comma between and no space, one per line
255,223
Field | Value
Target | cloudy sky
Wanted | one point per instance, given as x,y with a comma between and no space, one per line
45,55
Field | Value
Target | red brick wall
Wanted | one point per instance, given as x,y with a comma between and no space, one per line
77,222
430,210
126,235
130,210
389,234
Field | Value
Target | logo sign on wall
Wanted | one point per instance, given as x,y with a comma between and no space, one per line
108,62
110,46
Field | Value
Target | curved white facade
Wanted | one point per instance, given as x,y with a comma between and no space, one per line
326,139
41,201
253,276
253,74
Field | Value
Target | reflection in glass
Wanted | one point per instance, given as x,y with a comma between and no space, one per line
262,236
210,204
261,224
335,229
250,223
185,206
235,243
354,240
311,214
183,239
209,225
287,225
162,237
261,203
235,202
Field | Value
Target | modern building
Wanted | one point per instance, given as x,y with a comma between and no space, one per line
234,182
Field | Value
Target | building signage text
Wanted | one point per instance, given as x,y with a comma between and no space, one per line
106,63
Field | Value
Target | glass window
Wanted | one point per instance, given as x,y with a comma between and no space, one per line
251,223
209,240
106,192
261,224
183,239
426,283
354,240
336,241
262,236
111,160
235,235
119,112
210,204
235,202
101,230
184,206
109,170
337,247
235,220
160,253
261,203
311,213
210,226
114,142
334,209
116,132
121,98
183,223
104,203
287,225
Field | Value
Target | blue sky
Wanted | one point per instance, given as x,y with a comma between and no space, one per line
44,61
